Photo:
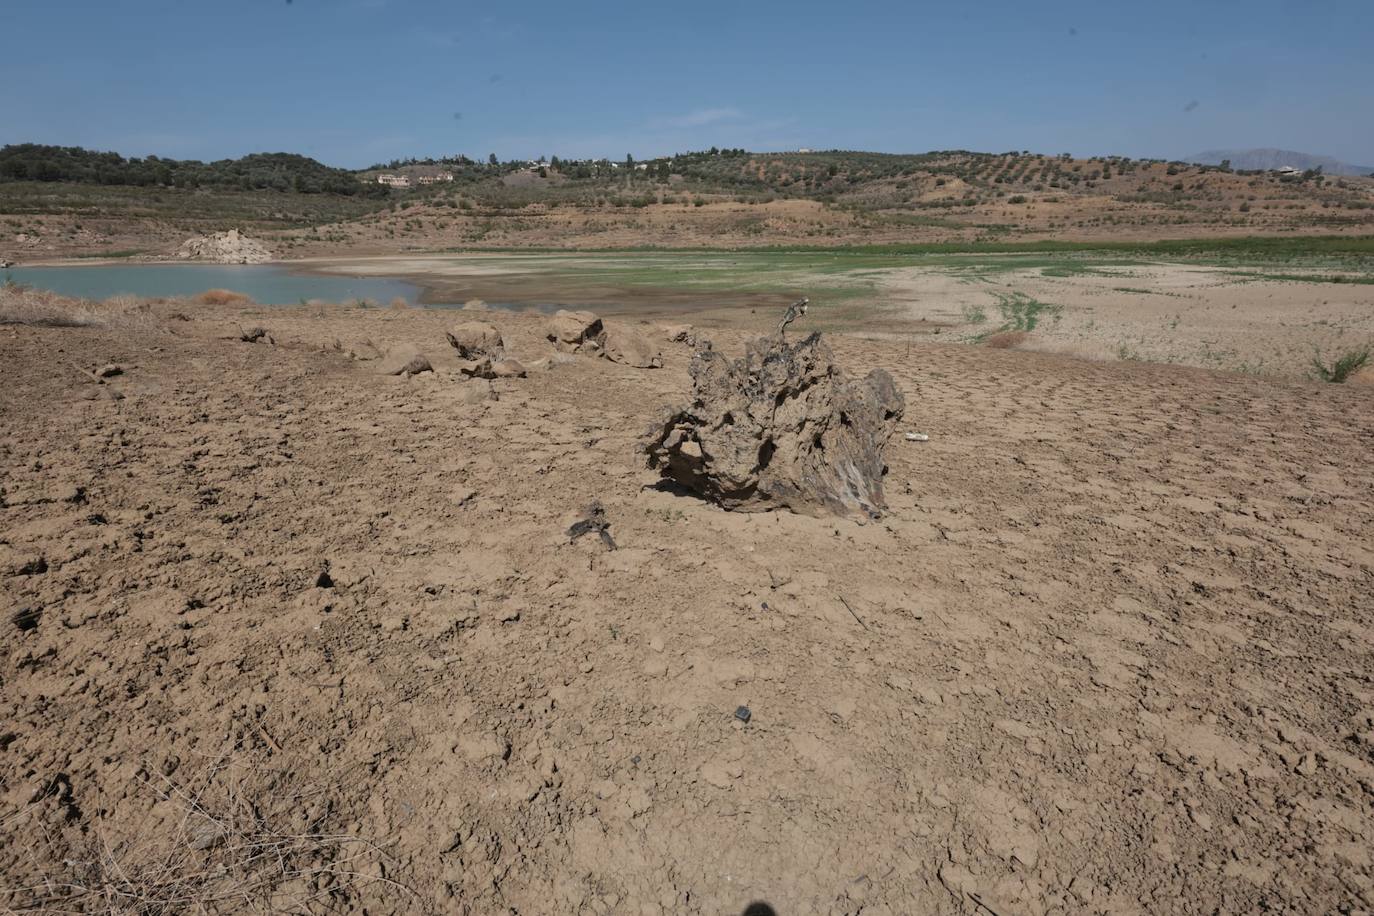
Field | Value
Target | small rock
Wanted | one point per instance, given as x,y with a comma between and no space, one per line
27,618
110,370
575,330
622,345
486,368
680,333
404,360
743,714
474,340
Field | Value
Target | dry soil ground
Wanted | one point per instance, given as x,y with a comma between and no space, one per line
284,632
1237,318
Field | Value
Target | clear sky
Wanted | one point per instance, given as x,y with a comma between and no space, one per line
352,82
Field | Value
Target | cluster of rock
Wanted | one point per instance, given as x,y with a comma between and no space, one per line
224,248
482,352
583,332
780,427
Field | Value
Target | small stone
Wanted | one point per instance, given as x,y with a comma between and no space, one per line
110,370
404,360
743,714
487,368
26,618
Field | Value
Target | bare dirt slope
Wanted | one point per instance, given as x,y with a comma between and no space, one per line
300,635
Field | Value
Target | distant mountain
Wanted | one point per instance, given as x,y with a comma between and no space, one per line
1277,159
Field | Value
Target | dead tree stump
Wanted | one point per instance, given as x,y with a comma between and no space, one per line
780,427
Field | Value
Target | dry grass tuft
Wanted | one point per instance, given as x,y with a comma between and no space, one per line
1006,340
40,308
398,303
237,837
223,297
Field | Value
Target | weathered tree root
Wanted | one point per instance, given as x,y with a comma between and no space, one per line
780,427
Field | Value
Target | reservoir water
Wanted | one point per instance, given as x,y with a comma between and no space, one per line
268,284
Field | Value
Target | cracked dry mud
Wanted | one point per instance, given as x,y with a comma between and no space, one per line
1108,651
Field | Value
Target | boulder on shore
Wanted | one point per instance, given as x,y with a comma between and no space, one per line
474,340
576,330
623,345
404,360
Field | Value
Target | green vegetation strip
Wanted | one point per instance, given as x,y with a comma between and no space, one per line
1275,247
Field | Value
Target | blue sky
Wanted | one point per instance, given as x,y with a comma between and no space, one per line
352,82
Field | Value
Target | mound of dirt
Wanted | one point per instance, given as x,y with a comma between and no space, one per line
780,427
224,248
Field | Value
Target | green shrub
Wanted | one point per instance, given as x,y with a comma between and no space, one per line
1344,366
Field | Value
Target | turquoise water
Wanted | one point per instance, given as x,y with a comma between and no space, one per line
268,284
